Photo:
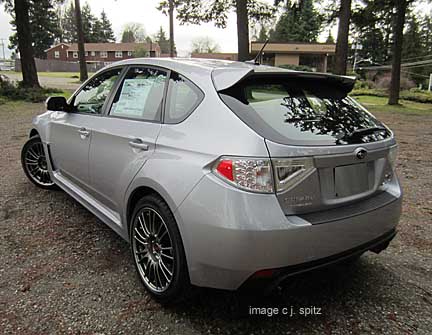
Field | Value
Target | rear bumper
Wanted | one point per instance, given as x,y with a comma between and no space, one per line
278,275
229,235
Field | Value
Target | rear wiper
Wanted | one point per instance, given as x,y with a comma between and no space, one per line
365,131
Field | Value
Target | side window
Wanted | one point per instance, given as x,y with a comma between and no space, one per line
93,95
183,98
140,95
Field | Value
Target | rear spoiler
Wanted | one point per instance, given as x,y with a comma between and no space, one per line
224,78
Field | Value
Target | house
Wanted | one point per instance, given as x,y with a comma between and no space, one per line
100,52
314,55
216,55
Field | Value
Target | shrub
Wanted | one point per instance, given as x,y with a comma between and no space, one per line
364,84
296,67
411,95
383,82
15,91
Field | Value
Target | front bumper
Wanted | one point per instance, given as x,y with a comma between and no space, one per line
229,234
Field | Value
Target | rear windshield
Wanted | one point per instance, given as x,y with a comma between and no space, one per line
307,112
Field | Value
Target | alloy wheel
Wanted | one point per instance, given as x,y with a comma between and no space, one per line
153,250
36,164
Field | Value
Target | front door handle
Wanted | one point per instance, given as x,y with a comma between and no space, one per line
83,132
138,143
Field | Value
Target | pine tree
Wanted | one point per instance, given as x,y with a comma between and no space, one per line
300,22
88,22
68,24
263,34
107,33
162,40
330,38
44,26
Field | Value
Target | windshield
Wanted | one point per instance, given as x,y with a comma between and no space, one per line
305,112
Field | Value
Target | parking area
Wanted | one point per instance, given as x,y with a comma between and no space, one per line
63,271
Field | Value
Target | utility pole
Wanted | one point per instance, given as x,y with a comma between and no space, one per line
3,47
430,82
171,26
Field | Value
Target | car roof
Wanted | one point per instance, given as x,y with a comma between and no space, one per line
220,73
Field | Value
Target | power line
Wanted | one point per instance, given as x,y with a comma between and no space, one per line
411,64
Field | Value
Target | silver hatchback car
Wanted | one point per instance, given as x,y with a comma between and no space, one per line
221,174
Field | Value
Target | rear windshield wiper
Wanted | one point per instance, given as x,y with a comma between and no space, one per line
365,131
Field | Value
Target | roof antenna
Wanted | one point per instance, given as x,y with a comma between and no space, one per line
258,58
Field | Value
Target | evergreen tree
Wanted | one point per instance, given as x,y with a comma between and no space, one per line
330,38
19,9
263,34
44,26
88,24
162,40
426,35
413,48
68,25
300,22
107,33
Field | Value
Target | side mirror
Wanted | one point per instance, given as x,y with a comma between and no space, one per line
57,104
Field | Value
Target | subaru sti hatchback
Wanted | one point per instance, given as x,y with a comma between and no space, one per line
221,173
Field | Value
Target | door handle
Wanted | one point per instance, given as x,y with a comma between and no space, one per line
83,132
138,143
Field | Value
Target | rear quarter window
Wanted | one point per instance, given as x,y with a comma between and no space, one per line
183,97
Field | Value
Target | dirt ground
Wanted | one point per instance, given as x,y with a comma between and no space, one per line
64,271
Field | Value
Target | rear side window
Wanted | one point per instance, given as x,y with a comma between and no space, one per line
140,95
306,112
183,98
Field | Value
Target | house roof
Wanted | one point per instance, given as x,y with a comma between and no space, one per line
109,46
294,47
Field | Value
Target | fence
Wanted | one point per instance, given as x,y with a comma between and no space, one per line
49,65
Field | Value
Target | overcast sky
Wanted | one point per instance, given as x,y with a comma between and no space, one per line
145,12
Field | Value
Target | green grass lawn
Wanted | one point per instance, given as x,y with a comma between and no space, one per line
379,104
51,74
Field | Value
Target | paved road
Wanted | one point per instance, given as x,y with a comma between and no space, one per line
65,83
63,271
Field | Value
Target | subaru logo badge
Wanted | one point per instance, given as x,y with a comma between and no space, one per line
361,153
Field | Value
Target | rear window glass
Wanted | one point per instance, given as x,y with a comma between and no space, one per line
303,112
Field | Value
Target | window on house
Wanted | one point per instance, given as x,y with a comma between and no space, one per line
93,53
75,54
119,54
129,53
104,54
56,54
86,53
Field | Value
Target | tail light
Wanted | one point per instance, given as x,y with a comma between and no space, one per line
258,175
250,174
392,157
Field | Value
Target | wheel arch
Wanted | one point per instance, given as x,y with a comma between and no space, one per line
142,190
33,132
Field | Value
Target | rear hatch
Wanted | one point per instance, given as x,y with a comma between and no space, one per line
326,150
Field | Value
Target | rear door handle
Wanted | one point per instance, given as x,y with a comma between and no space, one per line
83,132
138,143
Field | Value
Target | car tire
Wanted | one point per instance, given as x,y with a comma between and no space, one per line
35,164
163,271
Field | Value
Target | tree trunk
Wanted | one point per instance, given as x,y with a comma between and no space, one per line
25,46
171,27
342,37
242,30
81,51
397,52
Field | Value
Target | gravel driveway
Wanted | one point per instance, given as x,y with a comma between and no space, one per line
63,271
